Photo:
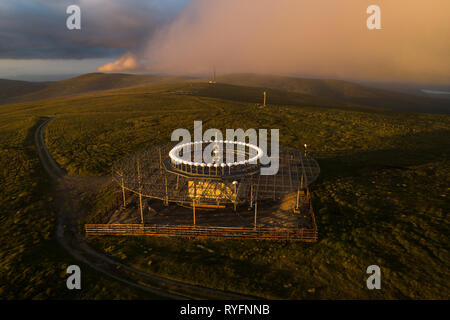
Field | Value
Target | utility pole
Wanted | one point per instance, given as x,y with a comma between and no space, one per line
214,76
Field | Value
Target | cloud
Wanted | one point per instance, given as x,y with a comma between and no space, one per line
36,29
126,63
325,38
321,38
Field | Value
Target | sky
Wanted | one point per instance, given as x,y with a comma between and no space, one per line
34,39
315,38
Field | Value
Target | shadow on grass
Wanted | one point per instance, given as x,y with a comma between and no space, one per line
412,150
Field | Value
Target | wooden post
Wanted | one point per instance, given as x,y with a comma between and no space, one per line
193,199
140,205
256,212
160,158
166,200
178,180
140,190
123,195
251,196
193,209
298,198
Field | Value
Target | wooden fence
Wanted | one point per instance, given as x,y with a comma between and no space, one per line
186,231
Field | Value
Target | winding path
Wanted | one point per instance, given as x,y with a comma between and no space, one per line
68,235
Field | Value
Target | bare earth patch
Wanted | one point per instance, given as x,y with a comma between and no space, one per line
270,214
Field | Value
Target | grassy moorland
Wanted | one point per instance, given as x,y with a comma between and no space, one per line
32,264
382,197
340,90
12,91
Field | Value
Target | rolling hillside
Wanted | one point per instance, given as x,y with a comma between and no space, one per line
235,87
12,89
381,197
255,95
343,91
74,86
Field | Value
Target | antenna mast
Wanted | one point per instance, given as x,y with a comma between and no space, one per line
214,76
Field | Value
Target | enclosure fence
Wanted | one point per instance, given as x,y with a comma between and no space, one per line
187,231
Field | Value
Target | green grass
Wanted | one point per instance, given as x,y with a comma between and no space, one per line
381,198
32,264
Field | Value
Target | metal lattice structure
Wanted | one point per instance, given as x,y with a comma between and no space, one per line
174,174
151,173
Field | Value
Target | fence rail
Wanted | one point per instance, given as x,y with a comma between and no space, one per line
274,234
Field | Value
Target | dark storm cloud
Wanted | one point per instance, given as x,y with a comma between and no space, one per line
37,29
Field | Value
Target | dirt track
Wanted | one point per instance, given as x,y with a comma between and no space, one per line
67,189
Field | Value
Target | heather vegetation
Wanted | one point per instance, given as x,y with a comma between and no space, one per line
381,198
32,264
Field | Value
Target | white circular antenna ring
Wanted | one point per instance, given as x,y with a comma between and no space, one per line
174,154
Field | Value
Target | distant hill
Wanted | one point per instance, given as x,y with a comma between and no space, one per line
238,87
343,91
10,89
90,82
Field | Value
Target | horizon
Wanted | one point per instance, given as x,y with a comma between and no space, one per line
432,90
